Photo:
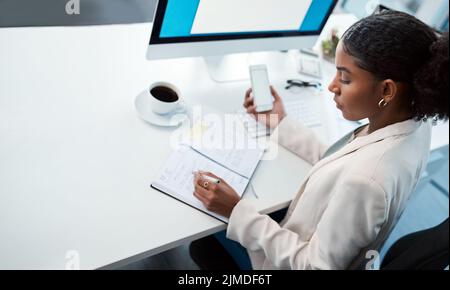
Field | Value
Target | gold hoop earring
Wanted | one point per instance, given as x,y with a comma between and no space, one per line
382,104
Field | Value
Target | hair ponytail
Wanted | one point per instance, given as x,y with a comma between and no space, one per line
430,87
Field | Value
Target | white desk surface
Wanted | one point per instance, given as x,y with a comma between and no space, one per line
76,161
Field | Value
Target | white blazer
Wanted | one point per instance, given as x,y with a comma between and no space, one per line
347,204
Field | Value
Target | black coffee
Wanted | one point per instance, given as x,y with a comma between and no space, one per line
164,94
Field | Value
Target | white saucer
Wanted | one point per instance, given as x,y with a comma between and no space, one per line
143,107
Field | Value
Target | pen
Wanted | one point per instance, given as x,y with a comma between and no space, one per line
206,177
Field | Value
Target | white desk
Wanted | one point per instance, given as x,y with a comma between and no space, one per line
76,161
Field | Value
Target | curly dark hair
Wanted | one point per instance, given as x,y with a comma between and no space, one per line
395,45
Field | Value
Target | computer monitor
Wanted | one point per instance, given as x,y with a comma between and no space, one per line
187,28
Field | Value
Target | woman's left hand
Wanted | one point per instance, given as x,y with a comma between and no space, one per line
219,197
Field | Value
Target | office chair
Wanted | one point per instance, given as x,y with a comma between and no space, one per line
423,250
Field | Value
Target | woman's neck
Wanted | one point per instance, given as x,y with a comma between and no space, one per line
386,119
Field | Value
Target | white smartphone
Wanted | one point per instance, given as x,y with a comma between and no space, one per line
263,98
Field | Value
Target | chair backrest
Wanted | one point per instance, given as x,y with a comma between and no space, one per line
423,250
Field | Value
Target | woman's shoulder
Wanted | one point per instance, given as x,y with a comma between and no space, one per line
393,163
395,152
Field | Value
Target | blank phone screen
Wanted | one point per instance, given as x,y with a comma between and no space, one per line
261,88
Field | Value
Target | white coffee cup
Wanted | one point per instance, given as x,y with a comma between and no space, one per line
165,98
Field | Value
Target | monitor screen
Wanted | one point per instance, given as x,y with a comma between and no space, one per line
181,21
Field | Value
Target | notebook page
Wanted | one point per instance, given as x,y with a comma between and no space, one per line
177,178
228,144
243,162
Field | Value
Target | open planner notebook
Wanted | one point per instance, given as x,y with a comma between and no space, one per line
235,163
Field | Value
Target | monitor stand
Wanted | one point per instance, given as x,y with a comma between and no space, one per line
228,68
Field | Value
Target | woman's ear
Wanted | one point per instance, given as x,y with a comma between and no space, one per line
389,90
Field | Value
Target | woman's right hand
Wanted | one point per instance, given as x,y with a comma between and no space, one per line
271,118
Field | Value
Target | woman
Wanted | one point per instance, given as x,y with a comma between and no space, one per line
391,69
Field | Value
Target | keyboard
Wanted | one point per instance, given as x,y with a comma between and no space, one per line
300,110
303,112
